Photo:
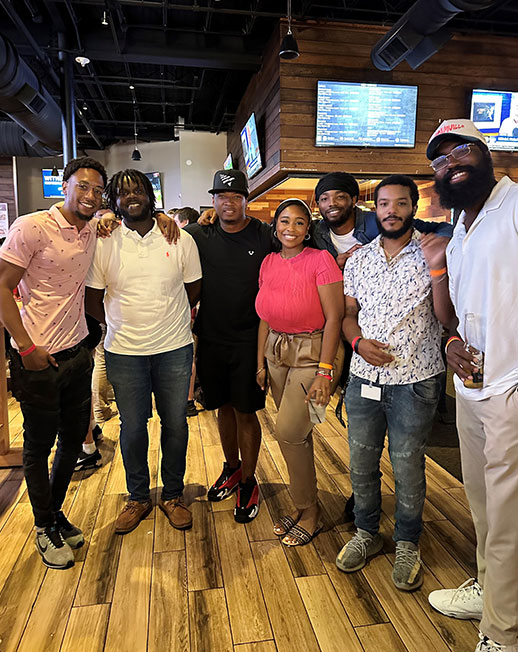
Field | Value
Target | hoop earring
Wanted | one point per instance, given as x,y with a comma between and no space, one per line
275,234
307,236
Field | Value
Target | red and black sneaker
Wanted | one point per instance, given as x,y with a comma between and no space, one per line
225,484
247,503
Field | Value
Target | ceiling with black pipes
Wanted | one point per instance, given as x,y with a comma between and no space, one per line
183,64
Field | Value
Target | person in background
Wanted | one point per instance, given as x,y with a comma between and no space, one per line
147,351
480,261
183,217
47,255
395,379
300,304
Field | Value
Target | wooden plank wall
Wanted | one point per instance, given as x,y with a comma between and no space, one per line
341,52
7,186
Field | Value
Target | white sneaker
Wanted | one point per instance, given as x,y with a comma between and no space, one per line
487,645
464,602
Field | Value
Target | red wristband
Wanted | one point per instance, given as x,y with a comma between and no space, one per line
329,378
450,340
28,351
353,343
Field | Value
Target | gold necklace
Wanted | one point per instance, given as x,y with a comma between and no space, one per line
390,257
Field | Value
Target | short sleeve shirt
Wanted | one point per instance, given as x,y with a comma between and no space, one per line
288,296
56,257
396,308
230,263
146,304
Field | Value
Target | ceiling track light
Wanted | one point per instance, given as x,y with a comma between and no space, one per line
135,156
289,48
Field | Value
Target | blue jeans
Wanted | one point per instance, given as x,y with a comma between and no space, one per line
406,412
134,378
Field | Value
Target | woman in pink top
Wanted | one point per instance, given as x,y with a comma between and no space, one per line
300,303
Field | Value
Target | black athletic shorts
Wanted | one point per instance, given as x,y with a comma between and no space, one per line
227,375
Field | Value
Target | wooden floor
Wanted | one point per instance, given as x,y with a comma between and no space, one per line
223,586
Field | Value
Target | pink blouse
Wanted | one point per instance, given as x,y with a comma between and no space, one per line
288,298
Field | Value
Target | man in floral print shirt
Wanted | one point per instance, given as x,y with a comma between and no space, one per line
395,378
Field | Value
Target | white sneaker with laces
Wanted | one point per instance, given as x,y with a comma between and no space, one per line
465,602
487,645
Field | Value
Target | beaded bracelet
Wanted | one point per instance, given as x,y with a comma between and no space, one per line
28,351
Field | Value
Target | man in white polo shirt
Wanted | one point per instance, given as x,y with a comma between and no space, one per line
147,286
483,286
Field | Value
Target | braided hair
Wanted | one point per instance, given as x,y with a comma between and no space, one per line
119,179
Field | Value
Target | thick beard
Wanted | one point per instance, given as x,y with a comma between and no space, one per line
407,225
469,192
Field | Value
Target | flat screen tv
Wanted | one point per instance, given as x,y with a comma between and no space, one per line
351,114
495,113
250,143
228,164
52,184
156,182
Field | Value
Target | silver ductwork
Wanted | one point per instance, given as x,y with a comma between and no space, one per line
27,103
421,32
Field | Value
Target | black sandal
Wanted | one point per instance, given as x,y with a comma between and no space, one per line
287,522
302,537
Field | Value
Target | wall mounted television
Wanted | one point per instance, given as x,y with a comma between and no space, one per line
228,163
251,151
156,182
52,184
495,113
355,114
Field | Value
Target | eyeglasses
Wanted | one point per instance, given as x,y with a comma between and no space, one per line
457,153
86,187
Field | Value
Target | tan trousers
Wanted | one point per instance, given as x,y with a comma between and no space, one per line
488,432
102,391
292,362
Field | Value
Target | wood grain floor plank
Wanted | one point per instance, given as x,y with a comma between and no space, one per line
169,612
86,629
290,623
461,548
203,565
460,496
261,646
85,508
332,627
11,493
18,595
13,538
208,423
46,626
405,613
356,596
375,638
240,580
100,566
131,596
208,619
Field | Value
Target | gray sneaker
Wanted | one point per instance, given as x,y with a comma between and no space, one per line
54,552
70,534
354,554
407,574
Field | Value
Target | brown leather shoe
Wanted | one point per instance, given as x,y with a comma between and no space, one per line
177,513
131,515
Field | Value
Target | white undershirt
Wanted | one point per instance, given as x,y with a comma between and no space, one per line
343,243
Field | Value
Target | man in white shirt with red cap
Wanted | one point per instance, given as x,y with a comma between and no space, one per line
483,318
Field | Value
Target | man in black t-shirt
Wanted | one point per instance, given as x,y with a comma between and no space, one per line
231,253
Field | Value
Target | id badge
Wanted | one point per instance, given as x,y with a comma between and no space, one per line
371,392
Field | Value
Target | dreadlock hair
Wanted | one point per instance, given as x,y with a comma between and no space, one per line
119,179
84,162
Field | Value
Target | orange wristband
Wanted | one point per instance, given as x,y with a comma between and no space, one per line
324,365
438,272
450,340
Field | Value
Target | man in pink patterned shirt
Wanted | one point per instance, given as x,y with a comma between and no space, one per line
47,255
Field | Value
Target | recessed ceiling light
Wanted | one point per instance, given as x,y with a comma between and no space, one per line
84,61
